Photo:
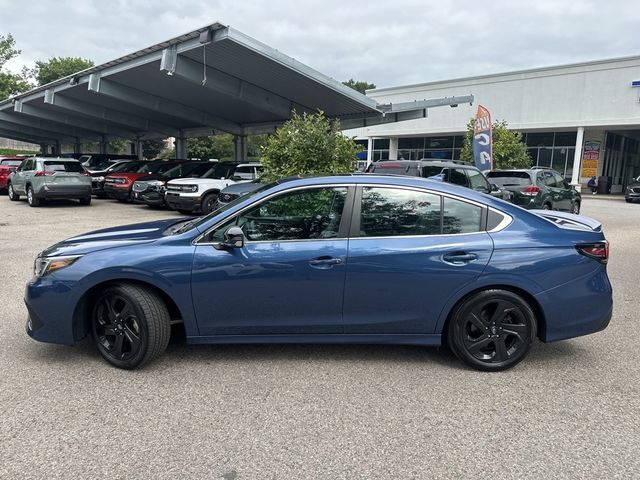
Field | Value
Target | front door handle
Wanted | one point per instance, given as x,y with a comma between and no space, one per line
324,262
459,258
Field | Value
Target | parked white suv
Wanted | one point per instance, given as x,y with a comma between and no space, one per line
189,195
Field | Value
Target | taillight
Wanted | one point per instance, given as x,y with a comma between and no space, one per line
598,251
43,173
530,191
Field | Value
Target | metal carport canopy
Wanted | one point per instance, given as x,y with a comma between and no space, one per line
214,79
211,79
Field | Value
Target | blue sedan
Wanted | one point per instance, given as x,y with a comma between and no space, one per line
344,259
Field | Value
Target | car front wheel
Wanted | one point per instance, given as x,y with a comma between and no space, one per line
575,208
492,330
13,196
130,325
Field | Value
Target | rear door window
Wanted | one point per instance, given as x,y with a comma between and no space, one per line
57,166
457,176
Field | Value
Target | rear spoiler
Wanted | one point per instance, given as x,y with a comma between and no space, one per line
569,220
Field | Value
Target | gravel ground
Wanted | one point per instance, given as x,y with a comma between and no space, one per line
571,410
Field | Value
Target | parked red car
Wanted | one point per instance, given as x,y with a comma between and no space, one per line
119,185
8,165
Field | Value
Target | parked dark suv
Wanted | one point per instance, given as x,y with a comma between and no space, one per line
538,188
458,173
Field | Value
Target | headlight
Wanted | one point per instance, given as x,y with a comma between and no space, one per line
156,183
190,188
45,265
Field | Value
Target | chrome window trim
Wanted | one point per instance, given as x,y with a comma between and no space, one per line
305,187
355,185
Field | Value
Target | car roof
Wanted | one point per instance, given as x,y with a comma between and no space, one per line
426,161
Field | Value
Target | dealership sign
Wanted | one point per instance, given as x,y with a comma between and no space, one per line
482,141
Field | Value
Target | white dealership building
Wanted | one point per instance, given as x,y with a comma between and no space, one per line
581,119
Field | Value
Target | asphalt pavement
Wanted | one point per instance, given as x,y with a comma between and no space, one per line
570,410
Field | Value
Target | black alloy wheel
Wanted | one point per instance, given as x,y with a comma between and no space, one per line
130,325
209,203
492,330
13,196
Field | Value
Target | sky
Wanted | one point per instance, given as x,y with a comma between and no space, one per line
387,43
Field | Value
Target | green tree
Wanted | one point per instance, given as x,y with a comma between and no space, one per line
509,151
152,148
59,67
308,144
359,85
10,83
215,146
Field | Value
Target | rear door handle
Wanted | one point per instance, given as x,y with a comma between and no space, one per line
459,258
324,262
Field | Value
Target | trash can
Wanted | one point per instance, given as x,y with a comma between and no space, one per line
603,185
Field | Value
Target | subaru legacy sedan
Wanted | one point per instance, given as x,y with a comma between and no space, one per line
345,259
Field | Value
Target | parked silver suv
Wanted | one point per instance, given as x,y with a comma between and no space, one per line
50,178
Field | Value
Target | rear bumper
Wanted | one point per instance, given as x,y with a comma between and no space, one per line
118,193
178,202
579,308
63,191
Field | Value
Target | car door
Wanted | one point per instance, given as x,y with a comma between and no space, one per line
409,251
555,190
288,278
565,191
19,180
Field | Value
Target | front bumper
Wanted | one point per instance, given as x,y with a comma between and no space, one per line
632,196
50,305
178,202
118,193
151,198
63,191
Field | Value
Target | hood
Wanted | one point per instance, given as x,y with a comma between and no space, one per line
111,237
242,187
191,180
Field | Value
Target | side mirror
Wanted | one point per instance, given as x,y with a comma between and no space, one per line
233,238
495,188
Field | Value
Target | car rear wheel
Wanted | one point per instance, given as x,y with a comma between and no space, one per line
31,198
575,208
492,330
209,203
546,206
13,196
130,325
85,201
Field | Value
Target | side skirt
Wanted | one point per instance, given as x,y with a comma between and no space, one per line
390,339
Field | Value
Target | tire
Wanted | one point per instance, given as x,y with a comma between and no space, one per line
546,206
123,313
477,326
31,198
628,200
575,208
208,203
13,196
85,201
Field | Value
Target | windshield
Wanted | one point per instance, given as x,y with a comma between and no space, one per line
11,163
58,166
154,167
191,224
220,170
509,179
127,167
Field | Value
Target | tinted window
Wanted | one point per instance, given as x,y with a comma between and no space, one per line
53,166
460,217
220,170
477,181
430,171
153,167
301,215
393,168
11,163
458,177
509,179
389,212
244,173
